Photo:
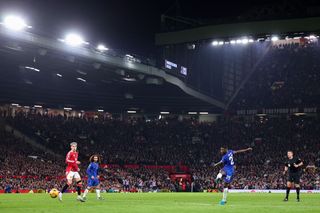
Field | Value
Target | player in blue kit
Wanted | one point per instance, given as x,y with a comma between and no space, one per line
228,170
93,177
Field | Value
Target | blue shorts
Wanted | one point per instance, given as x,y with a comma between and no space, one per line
93,182
229,175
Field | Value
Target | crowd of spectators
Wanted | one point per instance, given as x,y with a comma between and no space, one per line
287,76
162,142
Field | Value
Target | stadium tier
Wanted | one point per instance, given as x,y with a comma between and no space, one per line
167,142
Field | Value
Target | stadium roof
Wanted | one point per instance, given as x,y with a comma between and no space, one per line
257,28
32,74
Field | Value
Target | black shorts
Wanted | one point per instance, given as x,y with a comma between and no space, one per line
294,178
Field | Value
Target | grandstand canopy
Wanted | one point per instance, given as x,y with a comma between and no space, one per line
31,74
257,28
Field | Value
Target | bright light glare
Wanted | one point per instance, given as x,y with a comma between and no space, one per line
274,38
215,43
100,110
102,48
221,43
74,40
251,40
232,41
203,113
14,23
164,113
131,111
32,68
81,79
192,113
312,37
238,41
245,41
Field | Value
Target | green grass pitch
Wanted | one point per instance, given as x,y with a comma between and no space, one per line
160,202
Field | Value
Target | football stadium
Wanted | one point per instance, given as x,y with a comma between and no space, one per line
171,106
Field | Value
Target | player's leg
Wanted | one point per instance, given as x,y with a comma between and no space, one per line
287,191
225,193
79,186
69,177
86,191
218,178
297,186
98,191
90,185
227,181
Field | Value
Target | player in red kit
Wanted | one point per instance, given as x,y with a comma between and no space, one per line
72,171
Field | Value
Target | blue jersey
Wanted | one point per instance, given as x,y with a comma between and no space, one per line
92,170
227,161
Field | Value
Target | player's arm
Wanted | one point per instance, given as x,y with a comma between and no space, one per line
90,172
216,164
69,160
298,163
242,150
285,169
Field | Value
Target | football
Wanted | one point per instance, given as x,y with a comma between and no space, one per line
54,193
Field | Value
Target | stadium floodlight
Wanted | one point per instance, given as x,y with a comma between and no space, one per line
261,115
59,75
74,40
203,113
102,48
251,40
37,106
67,108
192,113
274,38
129,56
221,43
131,111
164,113
15,23
81,79
299,113
313,37
32,68
100,110
232,41
13,104
215,43
244,41
238,41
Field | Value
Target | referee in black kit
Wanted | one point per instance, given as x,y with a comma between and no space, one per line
293,167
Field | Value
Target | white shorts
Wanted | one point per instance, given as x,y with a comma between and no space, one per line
72,175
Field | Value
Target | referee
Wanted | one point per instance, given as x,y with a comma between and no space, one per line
293,167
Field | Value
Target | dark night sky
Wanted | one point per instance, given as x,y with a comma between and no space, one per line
121,24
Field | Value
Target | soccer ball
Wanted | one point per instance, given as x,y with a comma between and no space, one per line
54,193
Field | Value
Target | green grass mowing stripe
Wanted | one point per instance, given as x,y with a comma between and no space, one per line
160,202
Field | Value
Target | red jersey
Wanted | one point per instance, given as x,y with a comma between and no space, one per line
71,161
